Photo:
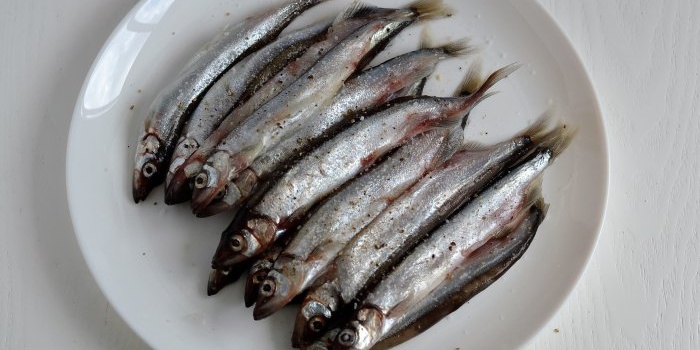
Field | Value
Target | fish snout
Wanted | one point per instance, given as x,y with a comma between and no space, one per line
274,293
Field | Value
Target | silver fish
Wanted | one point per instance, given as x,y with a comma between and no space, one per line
175,103
301,100
339,160
403,223
368,90
228,90
327,231
352,19
498,210
480,270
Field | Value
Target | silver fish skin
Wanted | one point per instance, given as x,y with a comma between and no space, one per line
301,100
346,24
368,90
173,106
338,161
327,231
499,209
479,271
226,92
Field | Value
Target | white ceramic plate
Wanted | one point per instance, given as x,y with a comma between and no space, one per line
152,261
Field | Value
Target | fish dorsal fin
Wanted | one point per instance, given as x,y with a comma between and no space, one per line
430,9
354,10
474,146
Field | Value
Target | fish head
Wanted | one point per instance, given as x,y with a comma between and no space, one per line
178,183
363,332
229,199
277,290
243,240
148,172
252,284
316,314
210,182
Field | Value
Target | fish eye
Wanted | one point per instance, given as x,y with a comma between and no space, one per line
149,170
237,243
267,289
201,181
317,323
346,337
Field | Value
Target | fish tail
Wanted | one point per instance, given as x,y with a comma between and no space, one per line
540,128
556,139
542,207
456,48
429,9
534,196
356,9
482,93
473,80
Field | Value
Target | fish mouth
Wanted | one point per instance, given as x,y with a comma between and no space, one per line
229,201
177,189
275,292
236,248
142,185
201,198
225,258
219,279
252,286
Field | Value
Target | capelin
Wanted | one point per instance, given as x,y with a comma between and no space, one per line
276,291
315,315
363,332
240,243
147,170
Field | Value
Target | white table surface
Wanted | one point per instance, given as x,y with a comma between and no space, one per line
640,291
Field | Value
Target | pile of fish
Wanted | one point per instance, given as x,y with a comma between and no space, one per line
351,192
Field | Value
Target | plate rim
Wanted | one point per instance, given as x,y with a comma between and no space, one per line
551,21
